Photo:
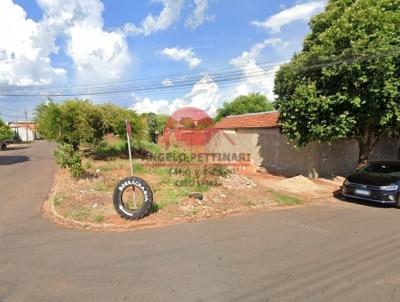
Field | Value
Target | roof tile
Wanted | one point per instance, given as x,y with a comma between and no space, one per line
252,120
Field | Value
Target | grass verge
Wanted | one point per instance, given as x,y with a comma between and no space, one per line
283,199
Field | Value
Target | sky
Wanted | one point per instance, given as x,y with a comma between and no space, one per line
147,55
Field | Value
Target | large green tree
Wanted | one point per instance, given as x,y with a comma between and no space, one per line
251,103
5,131
79,121
155,124
345,82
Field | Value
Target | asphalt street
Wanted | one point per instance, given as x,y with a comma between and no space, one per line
339,251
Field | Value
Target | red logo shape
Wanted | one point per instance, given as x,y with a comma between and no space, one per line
190,127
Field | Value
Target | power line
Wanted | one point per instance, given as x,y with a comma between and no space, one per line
148,88
8,111
12,116
223,77
175,76
180,78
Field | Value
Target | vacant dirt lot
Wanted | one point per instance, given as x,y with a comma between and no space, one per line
89,200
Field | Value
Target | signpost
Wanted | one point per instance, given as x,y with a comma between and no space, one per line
138,185
128,136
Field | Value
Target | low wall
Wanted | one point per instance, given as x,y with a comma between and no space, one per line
270,149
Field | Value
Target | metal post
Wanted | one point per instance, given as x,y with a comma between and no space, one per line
131,164
130,153
26,125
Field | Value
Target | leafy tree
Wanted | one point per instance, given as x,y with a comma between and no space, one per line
77,121
251,103
71,122
155,124
114,117
5,131
344,84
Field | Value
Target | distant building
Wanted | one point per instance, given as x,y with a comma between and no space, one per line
25,131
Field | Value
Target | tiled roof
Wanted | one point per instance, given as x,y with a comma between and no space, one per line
251,120
24,125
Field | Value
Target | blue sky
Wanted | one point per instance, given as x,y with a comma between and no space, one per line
163,54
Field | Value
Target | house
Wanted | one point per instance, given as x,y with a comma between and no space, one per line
25,131
259,134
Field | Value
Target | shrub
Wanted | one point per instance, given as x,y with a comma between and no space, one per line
79,122
5,131
106,150
67,157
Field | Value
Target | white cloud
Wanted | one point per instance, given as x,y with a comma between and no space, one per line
160,106
182,54
96,53
302,12
168,16
24,49
204,95
198,16
167,83
256,78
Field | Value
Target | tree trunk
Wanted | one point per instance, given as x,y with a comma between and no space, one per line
366,144
398,152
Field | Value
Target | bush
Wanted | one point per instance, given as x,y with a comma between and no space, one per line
108,151
67,157
80,122
5,131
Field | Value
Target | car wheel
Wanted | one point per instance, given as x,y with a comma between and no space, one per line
132,198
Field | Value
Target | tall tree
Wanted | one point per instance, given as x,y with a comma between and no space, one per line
251,103
79,121
345,82
5,131
155,124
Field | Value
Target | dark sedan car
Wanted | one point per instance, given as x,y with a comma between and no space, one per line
378,181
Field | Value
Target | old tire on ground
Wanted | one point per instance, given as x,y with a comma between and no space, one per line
138,184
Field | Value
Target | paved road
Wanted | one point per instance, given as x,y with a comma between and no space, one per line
337,252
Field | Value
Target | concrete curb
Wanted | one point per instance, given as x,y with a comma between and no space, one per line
65,221
49,208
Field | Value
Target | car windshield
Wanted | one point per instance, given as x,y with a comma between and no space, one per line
382,168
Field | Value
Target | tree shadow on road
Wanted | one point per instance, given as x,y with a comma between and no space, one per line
13,159
18,147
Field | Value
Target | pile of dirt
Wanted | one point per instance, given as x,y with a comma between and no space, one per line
237,182
298,184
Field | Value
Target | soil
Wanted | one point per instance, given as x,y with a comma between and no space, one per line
89,200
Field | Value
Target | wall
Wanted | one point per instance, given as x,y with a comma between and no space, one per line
24,133
270,149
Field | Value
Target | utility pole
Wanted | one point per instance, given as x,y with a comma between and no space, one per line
26,125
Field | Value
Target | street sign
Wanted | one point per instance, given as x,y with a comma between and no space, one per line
128,128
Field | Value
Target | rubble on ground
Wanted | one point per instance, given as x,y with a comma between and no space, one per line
262,170
237,182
